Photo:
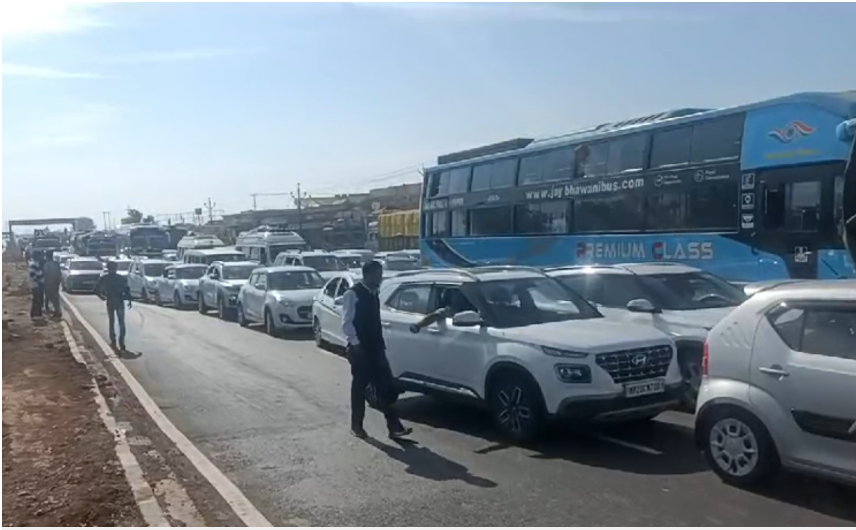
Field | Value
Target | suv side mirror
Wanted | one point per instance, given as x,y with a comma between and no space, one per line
642,305
467,319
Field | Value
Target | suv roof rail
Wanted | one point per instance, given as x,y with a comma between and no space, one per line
491,268
655,263
582,266
463,272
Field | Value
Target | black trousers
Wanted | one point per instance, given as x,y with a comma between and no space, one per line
370,371
52,299
38,302
116,312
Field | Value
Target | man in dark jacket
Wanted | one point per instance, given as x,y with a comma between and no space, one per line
113,288
367,353
36,271
53,279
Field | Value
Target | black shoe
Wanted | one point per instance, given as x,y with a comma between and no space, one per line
359,432
122,347
399,432
113,344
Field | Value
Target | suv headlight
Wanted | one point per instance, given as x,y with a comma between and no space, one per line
573,373
285,303
556,352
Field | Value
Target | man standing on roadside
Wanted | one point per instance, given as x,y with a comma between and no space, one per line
367,353
113,288
36,269
53,278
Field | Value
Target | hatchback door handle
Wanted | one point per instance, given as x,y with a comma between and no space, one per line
778,372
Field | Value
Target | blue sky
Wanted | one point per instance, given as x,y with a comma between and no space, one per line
160,106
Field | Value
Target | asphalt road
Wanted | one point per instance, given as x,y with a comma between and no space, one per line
273,415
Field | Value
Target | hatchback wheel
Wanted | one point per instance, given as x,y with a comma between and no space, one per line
145,296
270,329
158,298
176,300
242,319
200,304
516,406
316,329
738,447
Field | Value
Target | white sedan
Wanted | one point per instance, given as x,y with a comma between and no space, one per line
327,310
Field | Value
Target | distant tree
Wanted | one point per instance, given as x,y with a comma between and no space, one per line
134,217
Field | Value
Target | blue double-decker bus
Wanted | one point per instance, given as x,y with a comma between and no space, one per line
750,193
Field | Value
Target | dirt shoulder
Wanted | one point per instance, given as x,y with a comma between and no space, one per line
59,461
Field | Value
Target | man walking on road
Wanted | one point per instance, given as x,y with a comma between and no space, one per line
367,353
53,278
113,288
36,269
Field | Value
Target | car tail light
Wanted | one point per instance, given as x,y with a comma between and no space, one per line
705,359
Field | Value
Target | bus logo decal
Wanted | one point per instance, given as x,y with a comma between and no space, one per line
792,131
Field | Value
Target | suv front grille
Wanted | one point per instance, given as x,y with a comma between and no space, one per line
637,364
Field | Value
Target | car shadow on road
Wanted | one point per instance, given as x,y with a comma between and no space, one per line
425,463
815,494
677,453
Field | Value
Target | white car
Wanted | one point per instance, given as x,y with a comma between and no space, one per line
393,266
179,284
279,297
143,277
81,274
221,284
779,386
327,264
327,310
681,301
528,347
123,265
353,262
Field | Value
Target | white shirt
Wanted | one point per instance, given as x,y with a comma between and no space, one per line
349,311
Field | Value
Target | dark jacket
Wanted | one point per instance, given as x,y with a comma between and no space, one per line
113,288
367,320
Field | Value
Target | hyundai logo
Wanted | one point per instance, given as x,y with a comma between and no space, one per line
639,360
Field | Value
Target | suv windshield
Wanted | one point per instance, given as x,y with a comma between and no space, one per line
351,262
154,269
190,273
527,301
400,265
692,290
291,281
238,272
85,265
324,263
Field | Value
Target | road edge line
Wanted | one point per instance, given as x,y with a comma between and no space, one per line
142,491
234,497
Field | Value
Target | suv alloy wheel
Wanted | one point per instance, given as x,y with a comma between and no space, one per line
515,405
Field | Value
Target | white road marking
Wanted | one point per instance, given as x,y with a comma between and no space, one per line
236,499
140,488
629,445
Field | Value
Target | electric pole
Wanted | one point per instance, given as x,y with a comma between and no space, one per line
298,201
210,207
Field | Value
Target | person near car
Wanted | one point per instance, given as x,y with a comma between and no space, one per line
452,303
113,288
53,279
36,270
366,352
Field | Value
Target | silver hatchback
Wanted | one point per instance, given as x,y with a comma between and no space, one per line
779,385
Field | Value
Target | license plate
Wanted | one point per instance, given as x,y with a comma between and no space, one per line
644,388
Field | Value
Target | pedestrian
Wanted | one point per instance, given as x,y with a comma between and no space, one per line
366,353
53,278
113,288
36,269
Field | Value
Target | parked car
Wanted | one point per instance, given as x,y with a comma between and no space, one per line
327,310
123,265
353,262
179,284
683,302
279,297
779,386
752,288
527,347
143,277
220,285
81,274
325,263
392,266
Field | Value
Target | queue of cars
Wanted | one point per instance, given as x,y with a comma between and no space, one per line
770,370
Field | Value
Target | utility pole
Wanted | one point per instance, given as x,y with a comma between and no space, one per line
298,201
210,207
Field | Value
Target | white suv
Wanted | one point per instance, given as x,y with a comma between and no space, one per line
681,301
780,384
526,346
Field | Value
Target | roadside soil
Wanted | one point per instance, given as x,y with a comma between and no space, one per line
59,462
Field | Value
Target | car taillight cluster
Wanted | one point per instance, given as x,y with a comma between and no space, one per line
705,360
